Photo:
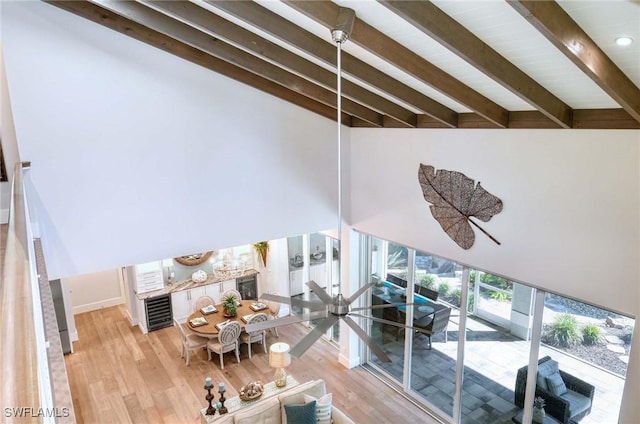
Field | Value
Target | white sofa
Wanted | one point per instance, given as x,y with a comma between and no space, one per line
271,410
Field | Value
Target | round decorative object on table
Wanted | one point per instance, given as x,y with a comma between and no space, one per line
199,276
251,391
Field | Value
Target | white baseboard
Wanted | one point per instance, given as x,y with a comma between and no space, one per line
98,305
73,336
4,216
349,362
132,321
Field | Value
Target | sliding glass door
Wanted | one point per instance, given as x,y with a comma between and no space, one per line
475,337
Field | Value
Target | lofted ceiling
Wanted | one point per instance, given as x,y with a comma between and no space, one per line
421,64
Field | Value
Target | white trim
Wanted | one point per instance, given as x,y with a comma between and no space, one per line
462,328
98,305
4,216
349,361
536,332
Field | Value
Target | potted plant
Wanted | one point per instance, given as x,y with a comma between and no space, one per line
230,305
538,410
262,247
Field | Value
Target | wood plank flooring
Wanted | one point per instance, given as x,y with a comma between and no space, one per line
119,375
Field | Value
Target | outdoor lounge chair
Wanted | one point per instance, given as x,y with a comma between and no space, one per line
436,325
567,407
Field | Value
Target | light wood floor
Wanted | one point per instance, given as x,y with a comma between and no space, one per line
119,375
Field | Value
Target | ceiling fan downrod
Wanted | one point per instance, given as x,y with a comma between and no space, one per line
340,34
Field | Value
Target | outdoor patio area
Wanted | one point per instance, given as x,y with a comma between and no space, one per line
492,358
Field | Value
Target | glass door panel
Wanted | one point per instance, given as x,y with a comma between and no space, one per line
435,340
389,272
591,347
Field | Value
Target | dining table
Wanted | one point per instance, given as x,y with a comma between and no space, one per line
422,306
211,329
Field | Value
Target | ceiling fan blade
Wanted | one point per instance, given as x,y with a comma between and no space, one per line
386,305
377,350
291,319
358,293
383,321
301,347
314,306
319,291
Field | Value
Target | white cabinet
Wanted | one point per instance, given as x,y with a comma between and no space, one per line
148,277
224,286
295,282
181,305
318,273
183,302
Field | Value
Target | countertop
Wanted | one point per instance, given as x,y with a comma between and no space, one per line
189,284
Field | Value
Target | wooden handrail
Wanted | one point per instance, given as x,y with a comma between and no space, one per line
18,354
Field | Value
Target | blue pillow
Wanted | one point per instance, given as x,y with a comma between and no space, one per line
546,369
301,413
556,385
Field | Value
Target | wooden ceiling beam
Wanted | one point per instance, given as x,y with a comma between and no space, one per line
222,28
184,33
558,27
111,20
366,36
447,31
275,25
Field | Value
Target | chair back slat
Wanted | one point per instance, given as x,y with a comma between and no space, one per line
256,319
229,334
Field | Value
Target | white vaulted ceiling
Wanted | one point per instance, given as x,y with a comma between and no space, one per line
499,68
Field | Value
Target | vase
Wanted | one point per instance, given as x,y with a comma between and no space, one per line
538,415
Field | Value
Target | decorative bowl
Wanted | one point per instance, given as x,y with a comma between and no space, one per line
251,391
199,276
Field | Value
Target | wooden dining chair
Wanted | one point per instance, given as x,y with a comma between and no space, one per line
189,341
273,312
203,301
235,294
227,342
259,336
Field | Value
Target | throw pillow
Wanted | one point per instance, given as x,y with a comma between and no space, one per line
556,385
544,370
301,413
323,407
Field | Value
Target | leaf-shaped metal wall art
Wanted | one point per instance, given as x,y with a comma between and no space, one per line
454,200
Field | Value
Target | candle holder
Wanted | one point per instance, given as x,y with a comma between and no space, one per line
211,410
222,409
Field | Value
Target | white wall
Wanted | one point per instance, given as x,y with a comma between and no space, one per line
570,222
138,155
9,146
570,218
95,290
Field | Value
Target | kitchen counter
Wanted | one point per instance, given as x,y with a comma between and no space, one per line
189,284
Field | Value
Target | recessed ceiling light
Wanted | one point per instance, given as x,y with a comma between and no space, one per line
624,41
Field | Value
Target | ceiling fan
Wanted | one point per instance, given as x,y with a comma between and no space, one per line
331,309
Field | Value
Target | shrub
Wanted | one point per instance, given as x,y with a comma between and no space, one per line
564,331
591,334
455,297
470,302
444,288
427,281
502,297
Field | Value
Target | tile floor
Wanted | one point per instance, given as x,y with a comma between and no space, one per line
492,359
